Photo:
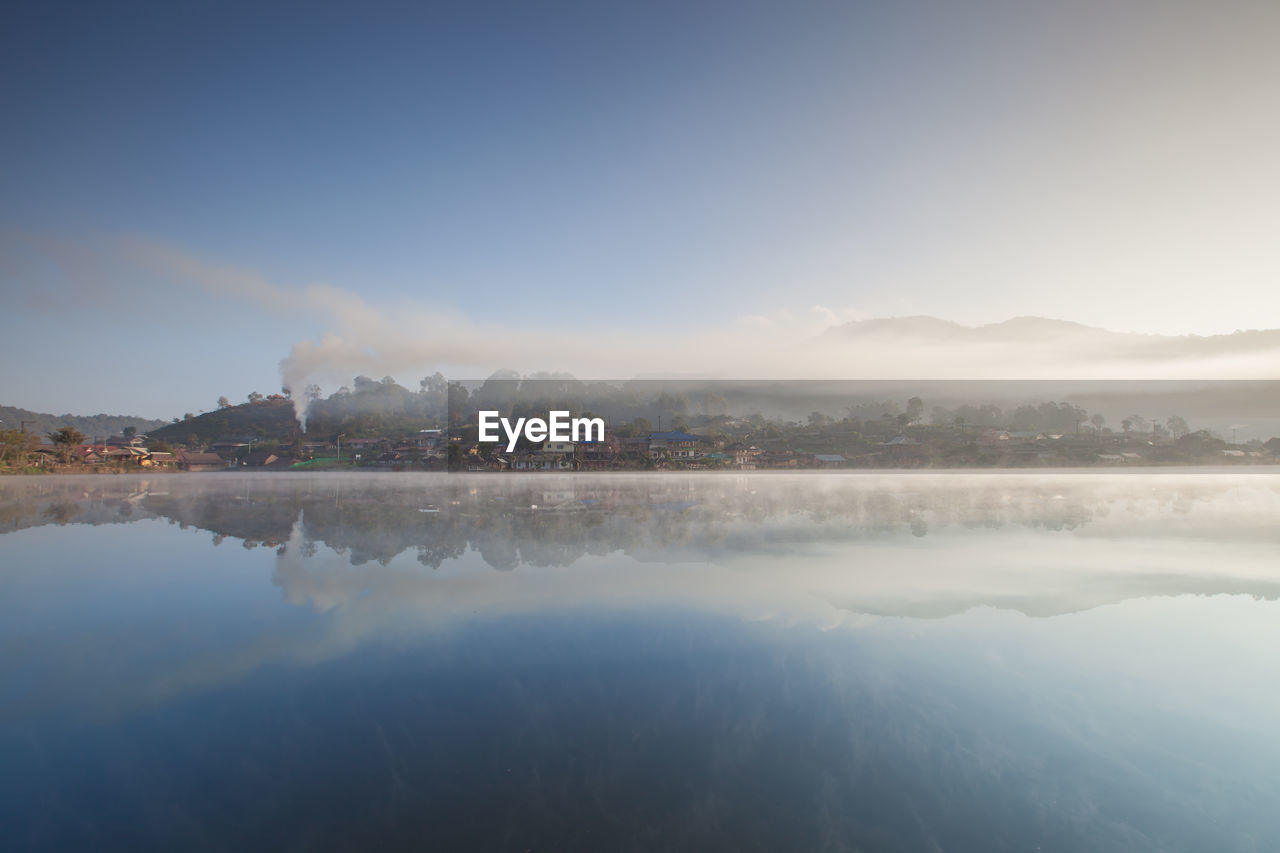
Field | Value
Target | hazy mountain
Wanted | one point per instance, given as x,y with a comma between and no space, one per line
1041,331
101,426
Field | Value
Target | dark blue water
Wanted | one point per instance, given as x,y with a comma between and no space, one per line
1045,662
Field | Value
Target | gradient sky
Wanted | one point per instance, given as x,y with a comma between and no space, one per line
189,191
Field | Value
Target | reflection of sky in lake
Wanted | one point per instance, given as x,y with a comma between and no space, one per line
897,662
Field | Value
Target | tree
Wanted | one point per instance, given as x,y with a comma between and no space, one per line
1177,425
1078,416
1200,443
130,431
255,397
1134,423
1097,420
433,384
16,444
66,438
224,403
915,409
458,397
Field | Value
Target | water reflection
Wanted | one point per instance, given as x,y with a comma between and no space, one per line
897,662
882,544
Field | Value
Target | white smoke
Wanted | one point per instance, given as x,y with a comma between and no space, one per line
411,340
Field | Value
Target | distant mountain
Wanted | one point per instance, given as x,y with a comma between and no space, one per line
1043,331
41,424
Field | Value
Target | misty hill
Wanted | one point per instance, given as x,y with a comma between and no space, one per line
41,424
372,407
266,419
1045,331
368,408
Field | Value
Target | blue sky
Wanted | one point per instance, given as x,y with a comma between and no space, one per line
193,191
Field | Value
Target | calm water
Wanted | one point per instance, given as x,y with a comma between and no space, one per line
1045,661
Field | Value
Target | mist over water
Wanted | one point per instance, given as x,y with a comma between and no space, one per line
872,661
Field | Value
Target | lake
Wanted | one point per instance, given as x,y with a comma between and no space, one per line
987,661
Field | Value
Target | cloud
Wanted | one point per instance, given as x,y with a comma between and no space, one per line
408,339
360,337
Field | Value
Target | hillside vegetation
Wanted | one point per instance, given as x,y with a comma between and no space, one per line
41,423
265,419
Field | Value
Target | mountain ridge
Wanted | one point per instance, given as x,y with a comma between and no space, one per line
1046,330
100,425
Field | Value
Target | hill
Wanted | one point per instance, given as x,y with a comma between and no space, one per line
1043,331
41,424
267,419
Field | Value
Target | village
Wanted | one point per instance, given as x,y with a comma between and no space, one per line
733,445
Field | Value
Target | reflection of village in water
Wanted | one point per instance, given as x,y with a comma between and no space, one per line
875,531
700,662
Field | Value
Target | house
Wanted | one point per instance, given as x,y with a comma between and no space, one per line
162,459
744,455
902,449
674,444
558,447
598,455
266,459
429,438
779,459
125,453
635,444
190,460
45,453
540,462
994,437
829,460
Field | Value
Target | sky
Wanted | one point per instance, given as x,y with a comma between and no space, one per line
192,193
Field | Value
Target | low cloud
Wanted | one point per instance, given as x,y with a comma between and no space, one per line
809,341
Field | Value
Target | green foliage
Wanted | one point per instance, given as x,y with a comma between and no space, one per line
1200,443
38,423
66,438
381,408
15,444
268,419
